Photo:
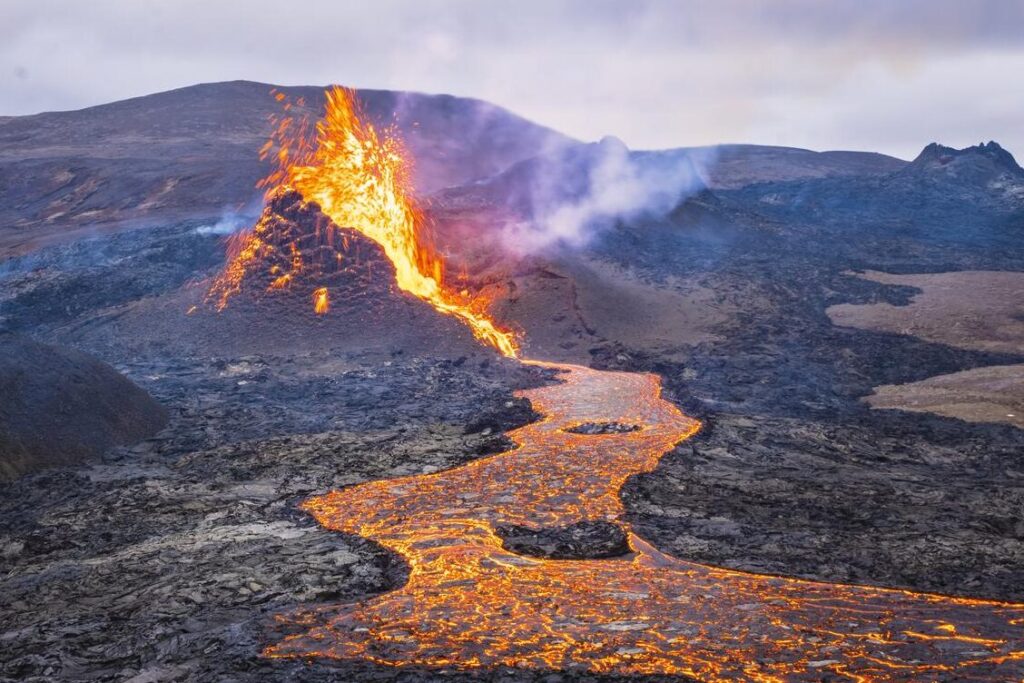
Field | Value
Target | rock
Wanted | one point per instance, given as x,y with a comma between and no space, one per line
60,406
170,563
818,664
583,540
604,428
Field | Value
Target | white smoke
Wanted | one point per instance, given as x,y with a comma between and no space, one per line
234,219
229,223
577,193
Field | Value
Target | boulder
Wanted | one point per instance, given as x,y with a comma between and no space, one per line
584,540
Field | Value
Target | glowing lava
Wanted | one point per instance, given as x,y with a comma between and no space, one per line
359,179
469,603
320,303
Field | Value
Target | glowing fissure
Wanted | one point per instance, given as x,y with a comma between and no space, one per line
359,179
470,603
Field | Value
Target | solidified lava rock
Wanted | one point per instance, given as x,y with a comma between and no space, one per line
304,246
511,414
60,406
580,541
604,428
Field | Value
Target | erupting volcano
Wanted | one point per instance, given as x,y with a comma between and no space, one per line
359,179
470,600
406,379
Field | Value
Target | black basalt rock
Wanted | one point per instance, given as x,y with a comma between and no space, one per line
580,541
595,428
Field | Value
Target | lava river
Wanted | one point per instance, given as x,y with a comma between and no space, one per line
469,603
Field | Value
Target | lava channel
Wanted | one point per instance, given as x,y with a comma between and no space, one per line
470,603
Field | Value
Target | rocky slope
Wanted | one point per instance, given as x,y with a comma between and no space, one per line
795,474
739,165
192,152
62,407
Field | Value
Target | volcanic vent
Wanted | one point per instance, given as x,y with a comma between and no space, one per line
357,179
301,254
296,281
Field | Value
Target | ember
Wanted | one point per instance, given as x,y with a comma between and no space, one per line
320,305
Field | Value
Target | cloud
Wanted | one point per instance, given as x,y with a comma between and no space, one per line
657,74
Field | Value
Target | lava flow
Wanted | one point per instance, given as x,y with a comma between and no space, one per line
359,179
470,603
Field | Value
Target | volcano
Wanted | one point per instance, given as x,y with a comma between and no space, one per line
357,480
317,283
305,252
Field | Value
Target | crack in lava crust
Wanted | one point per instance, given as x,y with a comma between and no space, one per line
470,603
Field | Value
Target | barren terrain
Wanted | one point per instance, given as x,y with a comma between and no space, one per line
971,310
992,394
981,310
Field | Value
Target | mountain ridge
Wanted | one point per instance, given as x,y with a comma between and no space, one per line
191,153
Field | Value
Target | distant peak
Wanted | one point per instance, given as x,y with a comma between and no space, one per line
611,142
935,154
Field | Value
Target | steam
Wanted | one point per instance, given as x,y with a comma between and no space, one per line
583,190
230,222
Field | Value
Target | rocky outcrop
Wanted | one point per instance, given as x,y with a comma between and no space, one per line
59,406
587,540
982,163
603,428
936,153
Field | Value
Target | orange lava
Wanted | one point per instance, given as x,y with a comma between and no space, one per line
469,603
320,303
359,179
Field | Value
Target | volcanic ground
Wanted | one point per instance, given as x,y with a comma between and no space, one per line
846,326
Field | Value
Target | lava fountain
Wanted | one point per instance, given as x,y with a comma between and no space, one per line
470,603
359,178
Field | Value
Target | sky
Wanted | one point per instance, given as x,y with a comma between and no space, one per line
880,75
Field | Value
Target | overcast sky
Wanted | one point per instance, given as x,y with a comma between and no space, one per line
884,75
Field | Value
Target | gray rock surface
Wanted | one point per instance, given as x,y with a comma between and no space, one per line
603,428
168,560
583,540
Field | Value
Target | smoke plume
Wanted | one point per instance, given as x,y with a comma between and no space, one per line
576,193
230,222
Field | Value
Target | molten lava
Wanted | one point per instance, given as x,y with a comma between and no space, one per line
468,601
320,304
359,179
471,603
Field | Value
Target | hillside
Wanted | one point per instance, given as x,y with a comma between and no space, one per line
193,152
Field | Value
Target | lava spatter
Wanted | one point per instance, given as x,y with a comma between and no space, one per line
470,603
